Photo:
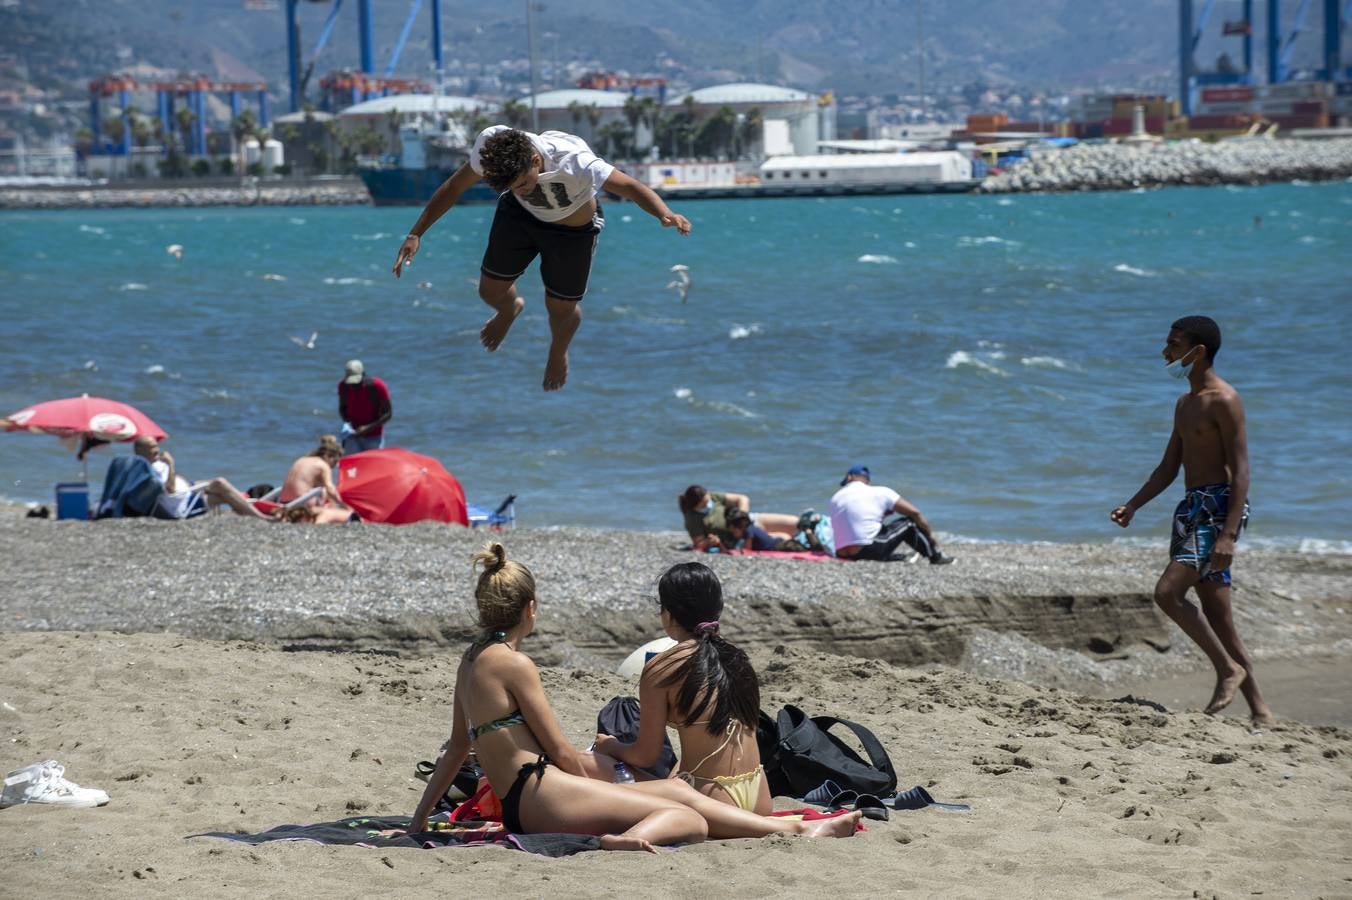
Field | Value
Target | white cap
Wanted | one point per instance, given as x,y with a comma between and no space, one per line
355,372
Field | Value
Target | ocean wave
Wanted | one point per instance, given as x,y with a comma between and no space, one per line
1045,362
878,258
155,370
377,236
92,229
273,276
959,358
295,220
683,393
134,286
1132,270
348,280
966,241
989,344
1004,201
739,332
725,406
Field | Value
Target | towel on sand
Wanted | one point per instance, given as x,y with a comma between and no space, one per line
390,831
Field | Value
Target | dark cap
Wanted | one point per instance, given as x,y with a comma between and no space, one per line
855,470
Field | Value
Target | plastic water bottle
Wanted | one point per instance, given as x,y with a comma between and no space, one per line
622,774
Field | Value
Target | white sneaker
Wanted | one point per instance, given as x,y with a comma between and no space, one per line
45,782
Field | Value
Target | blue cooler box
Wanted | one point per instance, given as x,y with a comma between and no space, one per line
72,500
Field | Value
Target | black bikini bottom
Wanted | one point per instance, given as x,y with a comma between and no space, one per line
511,804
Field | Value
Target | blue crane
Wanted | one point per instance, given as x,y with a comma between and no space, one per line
365,34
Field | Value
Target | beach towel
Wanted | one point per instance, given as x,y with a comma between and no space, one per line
786,554
382,832
129,489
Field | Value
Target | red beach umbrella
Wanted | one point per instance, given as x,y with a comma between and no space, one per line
84,416
398,487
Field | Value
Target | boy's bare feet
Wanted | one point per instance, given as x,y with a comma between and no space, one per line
496,328
556,370
1226,685
840,826
624,842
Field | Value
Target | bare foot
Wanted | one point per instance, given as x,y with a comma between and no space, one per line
1226,685
496,328
839,826
624,842
556,370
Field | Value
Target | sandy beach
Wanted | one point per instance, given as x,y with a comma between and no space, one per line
220,675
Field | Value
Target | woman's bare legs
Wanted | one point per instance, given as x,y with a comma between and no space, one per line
728,821
625,819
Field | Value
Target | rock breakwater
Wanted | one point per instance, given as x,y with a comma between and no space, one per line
1108,167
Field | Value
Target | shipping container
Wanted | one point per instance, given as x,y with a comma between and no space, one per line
1296,90
1118,127
1227,94
1344,89
1307,121
1310,106
1224,109
1211,122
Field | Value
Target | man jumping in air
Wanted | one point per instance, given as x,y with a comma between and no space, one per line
547,208
1208,440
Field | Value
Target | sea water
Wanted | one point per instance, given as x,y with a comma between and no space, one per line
994,359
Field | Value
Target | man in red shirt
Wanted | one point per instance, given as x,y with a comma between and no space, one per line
364,404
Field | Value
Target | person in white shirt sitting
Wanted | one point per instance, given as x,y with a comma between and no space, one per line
548,184
178,500
859,519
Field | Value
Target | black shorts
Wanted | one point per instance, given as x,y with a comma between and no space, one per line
565,251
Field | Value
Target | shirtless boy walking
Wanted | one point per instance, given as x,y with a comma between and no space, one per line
1208,440
548,185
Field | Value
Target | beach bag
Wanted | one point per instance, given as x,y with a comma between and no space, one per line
619,719
806,754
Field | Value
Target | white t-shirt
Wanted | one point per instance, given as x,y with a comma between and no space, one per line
570,174
858,510
176,501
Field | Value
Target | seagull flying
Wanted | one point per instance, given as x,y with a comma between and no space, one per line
306,345
682,282
175,250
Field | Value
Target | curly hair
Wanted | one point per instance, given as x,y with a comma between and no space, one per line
504,157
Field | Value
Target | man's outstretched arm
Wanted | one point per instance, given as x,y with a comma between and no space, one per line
621,185
441,202
1161,478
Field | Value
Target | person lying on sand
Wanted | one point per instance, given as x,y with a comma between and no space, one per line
1209,442
706,689
705,515
501,712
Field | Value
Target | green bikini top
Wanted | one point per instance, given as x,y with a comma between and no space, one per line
507,721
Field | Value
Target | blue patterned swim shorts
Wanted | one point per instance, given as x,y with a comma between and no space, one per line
1198,521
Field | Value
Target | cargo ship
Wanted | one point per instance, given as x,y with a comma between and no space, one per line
425,161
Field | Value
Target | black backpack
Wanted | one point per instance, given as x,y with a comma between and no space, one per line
799,753
619,719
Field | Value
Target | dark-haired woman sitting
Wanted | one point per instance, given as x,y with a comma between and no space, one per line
500,711
705,516
705,688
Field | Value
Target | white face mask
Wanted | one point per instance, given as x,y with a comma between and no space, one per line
1177,369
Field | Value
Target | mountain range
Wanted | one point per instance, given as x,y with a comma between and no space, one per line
852,46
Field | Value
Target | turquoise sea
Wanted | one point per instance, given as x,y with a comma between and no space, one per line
995,359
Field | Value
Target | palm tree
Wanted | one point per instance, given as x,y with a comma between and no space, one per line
593,118
749,134
615,136
242,126
516,113
577,111
185,119
84,142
